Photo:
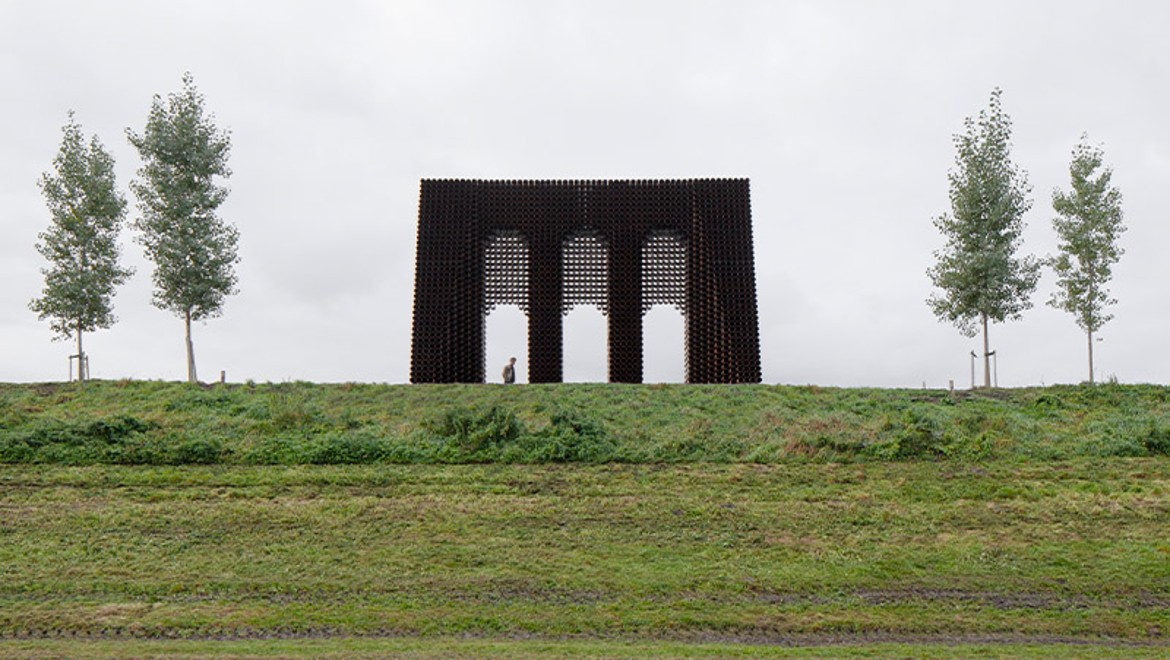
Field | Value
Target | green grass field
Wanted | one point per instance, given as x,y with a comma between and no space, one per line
728,522
153,423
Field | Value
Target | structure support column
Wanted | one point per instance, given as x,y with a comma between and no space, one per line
545,321
625,308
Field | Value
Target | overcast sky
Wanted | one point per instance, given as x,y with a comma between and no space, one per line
841,114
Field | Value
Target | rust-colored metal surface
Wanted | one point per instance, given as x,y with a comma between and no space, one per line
621,245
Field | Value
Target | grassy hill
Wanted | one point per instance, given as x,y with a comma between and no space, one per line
658,521
131,422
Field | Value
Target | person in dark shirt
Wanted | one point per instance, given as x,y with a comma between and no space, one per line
510,371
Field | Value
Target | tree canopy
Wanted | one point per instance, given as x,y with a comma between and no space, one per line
193,250
81,244
978,272
1088,224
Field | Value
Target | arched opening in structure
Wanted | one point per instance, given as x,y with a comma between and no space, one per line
506,332
664,301
664,345
584,281
505,274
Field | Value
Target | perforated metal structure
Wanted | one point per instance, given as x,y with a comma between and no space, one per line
623,246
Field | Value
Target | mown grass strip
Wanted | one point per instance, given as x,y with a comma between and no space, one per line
1073,549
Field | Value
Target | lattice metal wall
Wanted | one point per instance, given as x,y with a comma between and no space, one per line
664,270
505,270
621,245
585,276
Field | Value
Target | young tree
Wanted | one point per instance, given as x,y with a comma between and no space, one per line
1089,222
82,241
193,250
981,277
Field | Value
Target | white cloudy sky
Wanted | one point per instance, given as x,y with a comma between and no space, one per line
840,113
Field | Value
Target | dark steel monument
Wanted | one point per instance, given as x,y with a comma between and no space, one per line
621,245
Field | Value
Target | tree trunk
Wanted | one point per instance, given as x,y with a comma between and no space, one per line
1089,320
986,355
80,357
1090,333
191,377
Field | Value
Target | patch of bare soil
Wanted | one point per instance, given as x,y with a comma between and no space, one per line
1047,600
996,600
760,638
1051,601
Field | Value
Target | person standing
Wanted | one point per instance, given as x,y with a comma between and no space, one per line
510,371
